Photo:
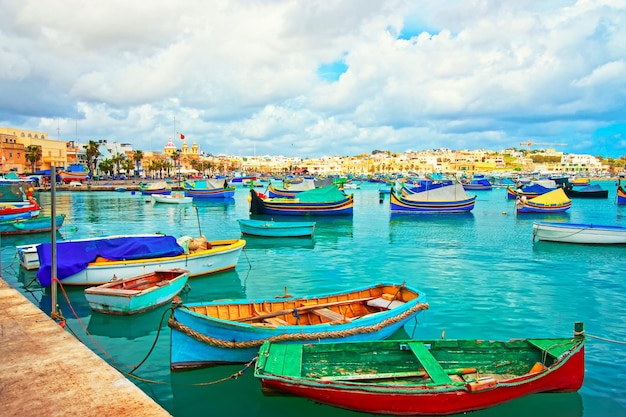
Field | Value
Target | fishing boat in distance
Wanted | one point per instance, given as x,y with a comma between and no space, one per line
231,331
589,191
477,182
555,201
271,228
592,234
159,187
620,198
322,201
171,199
446,199
208,189
422,377
137,294
95,261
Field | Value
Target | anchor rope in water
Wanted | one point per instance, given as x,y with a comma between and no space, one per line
230,344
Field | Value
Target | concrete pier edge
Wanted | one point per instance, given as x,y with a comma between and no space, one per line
45,371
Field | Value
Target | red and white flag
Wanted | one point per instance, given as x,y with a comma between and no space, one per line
181,136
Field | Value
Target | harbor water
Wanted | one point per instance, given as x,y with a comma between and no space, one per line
484,277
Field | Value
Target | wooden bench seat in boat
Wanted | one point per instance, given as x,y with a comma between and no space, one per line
380,302
430,364
329,315
276,321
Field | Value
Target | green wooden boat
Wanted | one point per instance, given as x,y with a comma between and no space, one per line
422,377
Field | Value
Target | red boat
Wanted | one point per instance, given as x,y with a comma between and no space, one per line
422,377
17,203
69,176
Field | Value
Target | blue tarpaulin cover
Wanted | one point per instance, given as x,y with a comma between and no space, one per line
74,256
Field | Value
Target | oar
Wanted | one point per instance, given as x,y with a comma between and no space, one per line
303,308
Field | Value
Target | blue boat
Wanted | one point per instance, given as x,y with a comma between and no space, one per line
39,224
231,331
270,228
323,201
448,199
137,294
208,188
478,182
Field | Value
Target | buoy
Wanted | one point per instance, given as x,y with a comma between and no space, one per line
504,212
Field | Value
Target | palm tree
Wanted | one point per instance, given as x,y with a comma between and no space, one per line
106,166
33,155
128,165
92,152
137,157
117,160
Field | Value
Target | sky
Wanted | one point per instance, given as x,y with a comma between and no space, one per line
314,78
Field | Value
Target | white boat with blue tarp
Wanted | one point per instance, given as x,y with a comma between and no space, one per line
96,261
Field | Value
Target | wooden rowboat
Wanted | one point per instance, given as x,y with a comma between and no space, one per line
270,228
231,331
422,377
137,294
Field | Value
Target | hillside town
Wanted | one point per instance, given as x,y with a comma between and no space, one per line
30,152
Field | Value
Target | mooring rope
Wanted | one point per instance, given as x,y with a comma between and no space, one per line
604,339
231,344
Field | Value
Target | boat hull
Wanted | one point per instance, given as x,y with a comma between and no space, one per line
199,340
222,256
137,294
621,195
419,395
579,233
530,207
342,207
211,193
69,176
156,191
32,225
171,199
402,205
276,229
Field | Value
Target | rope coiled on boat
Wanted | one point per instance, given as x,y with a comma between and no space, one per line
285,337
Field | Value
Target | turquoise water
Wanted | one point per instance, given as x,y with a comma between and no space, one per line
483,276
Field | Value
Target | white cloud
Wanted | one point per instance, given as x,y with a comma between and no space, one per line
240,75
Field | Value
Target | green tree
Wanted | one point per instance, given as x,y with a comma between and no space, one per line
92,152
33,155
128,166
137,157
106,166
117,160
